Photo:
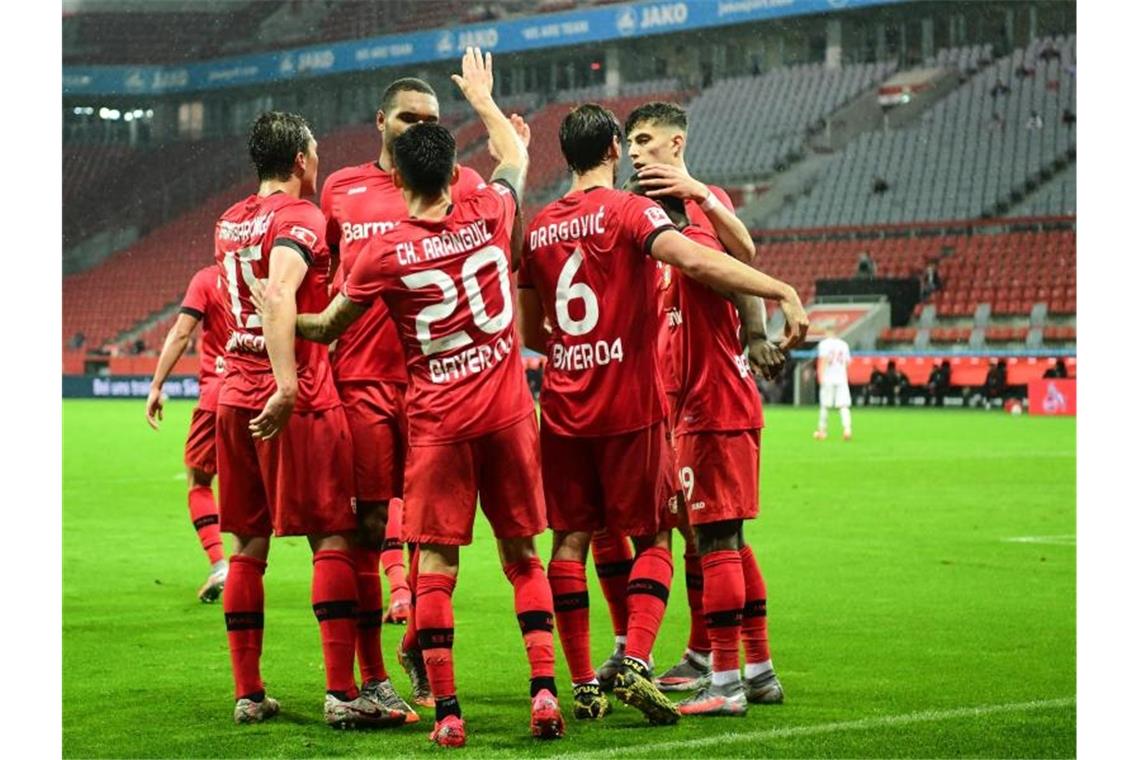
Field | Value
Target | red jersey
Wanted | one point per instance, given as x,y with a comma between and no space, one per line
716,392
448,286
205,302
670,373
243,239
587,255
362,202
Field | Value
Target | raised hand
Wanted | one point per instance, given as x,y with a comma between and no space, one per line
477,80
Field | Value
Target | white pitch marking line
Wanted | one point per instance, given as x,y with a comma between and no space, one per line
1053,540
924,716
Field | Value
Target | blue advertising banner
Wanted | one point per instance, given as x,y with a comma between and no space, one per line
127,386
530,33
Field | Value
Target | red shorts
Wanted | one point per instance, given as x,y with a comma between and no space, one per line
499,469
378,424
720,475
296,484
200,447
624,483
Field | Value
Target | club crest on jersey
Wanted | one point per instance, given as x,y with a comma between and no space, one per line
304,235
657,216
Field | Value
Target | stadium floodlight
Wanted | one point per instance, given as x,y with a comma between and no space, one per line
89,111
104,113
149,112
138,113
128,116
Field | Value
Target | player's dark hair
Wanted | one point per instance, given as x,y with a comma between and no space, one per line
406,84
658,112
586,135
275,139
674,207
425,156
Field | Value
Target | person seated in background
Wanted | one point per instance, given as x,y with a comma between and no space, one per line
1058,370
865,269
1068,118
1000,88
896,385
995,386
879,186
1034,121
938,384
77,340
931,281
1049,52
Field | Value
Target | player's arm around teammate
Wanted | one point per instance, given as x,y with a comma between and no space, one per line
708,267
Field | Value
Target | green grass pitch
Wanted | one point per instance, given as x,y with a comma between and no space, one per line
921,604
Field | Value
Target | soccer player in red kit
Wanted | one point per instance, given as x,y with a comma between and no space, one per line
717,426
202,304
657,135
588,267
444,273
284,451
361,203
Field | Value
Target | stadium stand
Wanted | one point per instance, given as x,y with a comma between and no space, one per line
972,152
745,127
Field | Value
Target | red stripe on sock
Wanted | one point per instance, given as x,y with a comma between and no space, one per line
652,568
724,605
610,549
334,582
411,640
568,588
434,613
698,632
244,593
369,655
534,606
754,630
393,559
202,504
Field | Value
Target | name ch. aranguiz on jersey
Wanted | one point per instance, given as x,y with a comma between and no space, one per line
445,243
571,229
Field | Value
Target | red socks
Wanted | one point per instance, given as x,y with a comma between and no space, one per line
370,616
754,626
648,593
534,607
613,560
435,620
724,604
243,601
204,515
411,639
335,605
572,611
694,589
393,555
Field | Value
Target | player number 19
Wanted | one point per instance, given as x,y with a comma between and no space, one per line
688,480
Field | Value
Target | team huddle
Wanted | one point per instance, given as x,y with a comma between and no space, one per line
643,300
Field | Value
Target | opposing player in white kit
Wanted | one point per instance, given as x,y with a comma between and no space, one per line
835,355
